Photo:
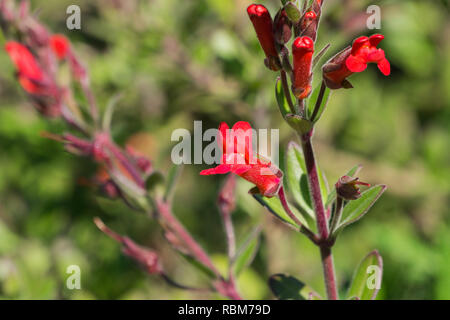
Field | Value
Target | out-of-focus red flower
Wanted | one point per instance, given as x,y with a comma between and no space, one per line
302,51
238,158
29,73
355,59
60,45
262,22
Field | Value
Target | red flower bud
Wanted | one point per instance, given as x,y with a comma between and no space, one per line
262,22
60,45
355,59
309,25
302,51
29,73
238,158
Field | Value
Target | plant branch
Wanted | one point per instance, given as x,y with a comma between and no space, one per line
287,92
319,101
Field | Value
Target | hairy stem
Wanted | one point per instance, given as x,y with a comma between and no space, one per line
321,218
287,92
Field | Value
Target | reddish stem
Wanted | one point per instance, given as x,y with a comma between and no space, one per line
321,217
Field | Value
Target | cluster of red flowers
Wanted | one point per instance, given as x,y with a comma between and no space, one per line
272,36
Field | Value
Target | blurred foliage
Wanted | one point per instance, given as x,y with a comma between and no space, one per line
180,61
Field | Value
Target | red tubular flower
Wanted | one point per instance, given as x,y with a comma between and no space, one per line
355,59
29,73
262,22
302,51
60,45
238,158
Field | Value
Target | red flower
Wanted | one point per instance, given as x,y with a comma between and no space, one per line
60,45
262,22
29,73
302,50
238,158
355,59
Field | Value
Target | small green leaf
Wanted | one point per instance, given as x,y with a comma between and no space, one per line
313,100
292,12
156,178
246,252
276,208
367,277
299,124
286,287
281,98
172,177
356,209
332,195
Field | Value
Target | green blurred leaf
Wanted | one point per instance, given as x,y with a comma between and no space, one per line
172,178
292,12
367,277
199,266
356,209
286,287
246,252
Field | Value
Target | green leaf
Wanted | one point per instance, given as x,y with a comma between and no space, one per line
276,208
313,100
292,12
367,277
246,252
298,123
172,178
283,104
286,287
297,180
356,209
332,195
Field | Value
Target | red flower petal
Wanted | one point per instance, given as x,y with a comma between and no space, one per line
220,169
358,43
385,67
375,39
24,60
355,63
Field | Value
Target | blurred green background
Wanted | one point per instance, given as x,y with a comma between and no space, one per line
179,61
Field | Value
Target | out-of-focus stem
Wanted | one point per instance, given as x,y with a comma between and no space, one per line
229,231
194,248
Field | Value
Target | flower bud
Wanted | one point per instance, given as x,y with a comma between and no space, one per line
347,188
59,45
262,22
302,51
309,25
282,27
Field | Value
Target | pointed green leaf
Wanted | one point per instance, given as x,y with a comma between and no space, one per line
246,252
367,277
283,104
286,287
313,100
298,123
356,209
276,208
198,265
332,195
